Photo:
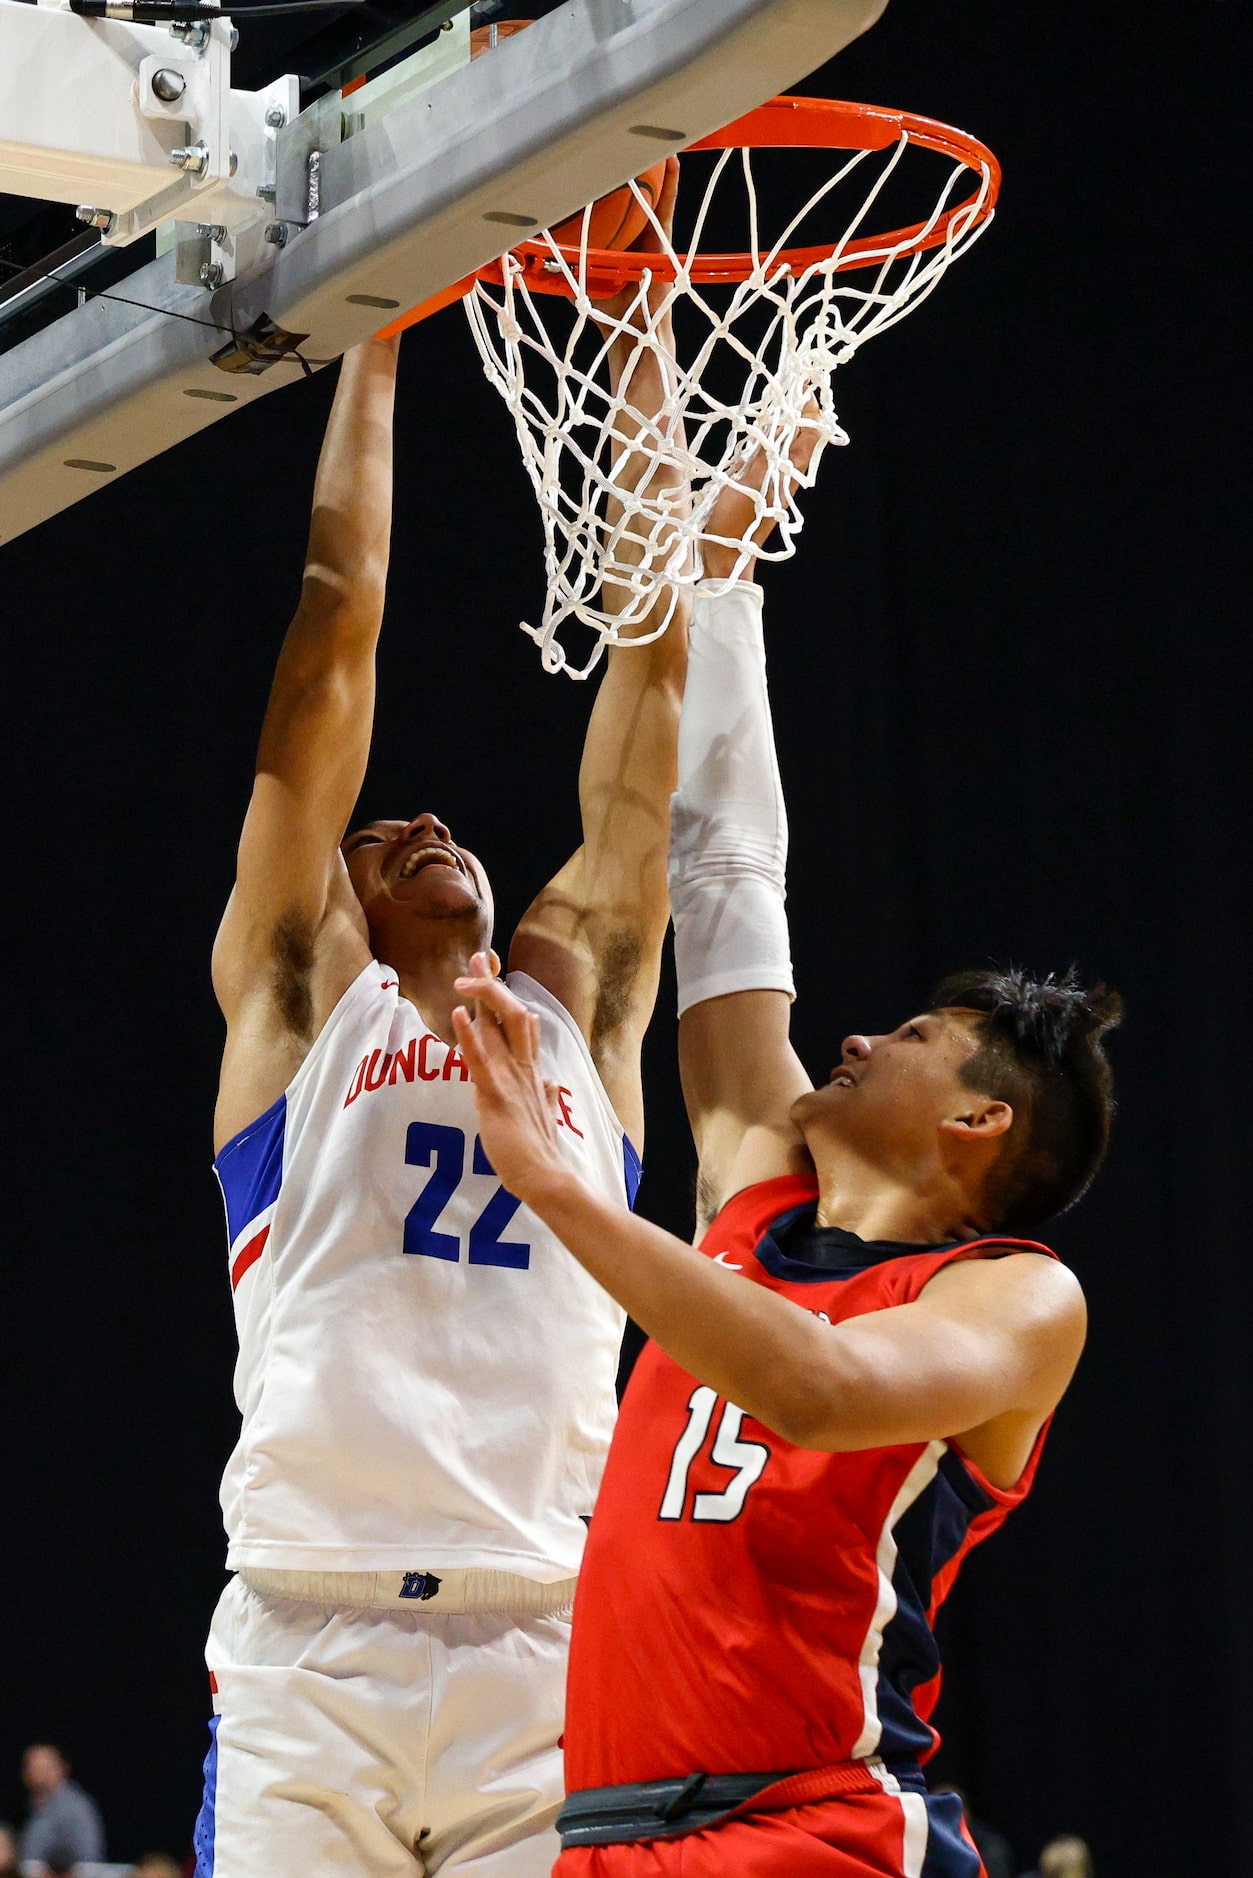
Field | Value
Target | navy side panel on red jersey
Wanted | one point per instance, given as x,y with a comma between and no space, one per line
747,1605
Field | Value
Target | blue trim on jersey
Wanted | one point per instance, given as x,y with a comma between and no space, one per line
769,1253
849,1255
204,1836
632,1168
928,1534
250,1168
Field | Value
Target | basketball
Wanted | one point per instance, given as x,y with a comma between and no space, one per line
617,219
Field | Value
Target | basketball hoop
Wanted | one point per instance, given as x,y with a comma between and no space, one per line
793,314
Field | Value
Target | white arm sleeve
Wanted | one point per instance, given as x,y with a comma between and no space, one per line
728,830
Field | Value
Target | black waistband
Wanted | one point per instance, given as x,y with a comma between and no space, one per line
665,1809
655,1809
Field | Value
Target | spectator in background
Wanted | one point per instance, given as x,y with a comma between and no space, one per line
158,1865
1066,1857
64,1827
8,1852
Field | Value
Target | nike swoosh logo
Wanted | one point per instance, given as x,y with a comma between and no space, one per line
720,1258
389,983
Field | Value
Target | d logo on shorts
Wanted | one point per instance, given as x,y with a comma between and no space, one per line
421,1585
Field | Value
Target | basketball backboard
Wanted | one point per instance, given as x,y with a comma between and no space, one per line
382,197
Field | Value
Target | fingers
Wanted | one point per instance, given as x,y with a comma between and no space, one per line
468,1044
486,1049
808,433
669,195
495,1001
739,515
649,241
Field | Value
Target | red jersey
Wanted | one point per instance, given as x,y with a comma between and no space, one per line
746,1605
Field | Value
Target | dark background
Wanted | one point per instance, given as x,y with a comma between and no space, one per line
1010,677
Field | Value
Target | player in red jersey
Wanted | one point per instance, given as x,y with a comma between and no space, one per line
848,1382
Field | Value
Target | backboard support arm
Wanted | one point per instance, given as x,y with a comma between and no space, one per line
440,184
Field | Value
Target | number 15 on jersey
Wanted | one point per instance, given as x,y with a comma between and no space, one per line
746,1458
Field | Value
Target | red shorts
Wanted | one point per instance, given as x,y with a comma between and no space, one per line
884,1834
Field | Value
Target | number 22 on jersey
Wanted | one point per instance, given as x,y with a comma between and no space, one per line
443,1150
747,1458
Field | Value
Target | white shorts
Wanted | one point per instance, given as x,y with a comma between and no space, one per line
379,1743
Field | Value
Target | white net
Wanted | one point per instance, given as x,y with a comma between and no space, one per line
758,358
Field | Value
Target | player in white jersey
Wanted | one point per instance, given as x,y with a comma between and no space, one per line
426,1377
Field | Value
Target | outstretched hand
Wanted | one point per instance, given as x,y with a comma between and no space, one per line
646,424
517,1107
626,305
736,522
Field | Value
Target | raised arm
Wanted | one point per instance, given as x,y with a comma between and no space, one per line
728,856
728,860
983,1355
594,935
293,937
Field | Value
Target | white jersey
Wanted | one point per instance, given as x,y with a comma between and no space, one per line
426,1376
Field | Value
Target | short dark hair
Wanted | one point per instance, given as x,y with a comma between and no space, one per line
1040,1051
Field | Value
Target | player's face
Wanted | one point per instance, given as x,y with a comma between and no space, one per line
406,871
888,1095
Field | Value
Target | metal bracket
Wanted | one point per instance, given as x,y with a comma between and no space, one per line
296,176
193,252
304,145
264,344
150,129
414,202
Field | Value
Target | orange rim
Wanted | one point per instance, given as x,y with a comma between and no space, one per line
783,124
788,124
436,304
